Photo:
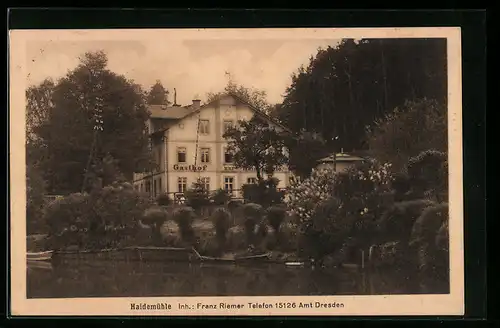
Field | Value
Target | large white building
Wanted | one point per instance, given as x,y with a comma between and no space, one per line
188,144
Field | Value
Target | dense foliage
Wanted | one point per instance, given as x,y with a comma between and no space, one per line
257,145
347,87
105,218
184,217
35,192
414,127
264,192
158,95
197,196
62,125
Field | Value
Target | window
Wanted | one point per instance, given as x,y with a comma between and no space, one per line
148,186
182,184
251,180
181,155
204,127
205,155
228,184
154,188
228,156
159,186
227,124
205,182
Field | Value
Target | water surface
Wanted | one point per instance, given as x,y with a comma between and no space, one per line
138,279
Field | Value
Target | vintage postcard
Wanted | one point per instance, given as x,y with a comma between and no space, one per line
236,172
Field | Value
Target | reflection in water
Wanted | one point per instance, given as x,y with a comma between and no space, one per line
138,279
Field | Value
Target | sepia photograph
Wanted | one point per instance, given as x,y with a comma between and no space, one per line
236,172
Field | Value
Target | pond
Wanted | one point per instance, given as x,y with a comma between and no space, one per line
138,279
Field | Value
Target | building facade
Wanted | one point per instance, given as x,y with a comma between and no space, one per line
188,146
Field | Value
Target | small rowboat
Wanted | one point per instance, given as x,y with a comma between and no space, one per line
294,264
236,259
39,256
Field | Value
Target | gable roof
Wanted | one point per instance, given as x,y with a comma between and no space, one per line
170,112
181,112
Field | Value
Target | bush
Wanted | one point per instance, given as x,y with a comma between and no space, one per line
222,220
264,193
35,192
107,217
253,214
155,217
275,216
429,238
184,217
236,238
68,218
164,200
220,197
397,222
428,172
305,195
197,197
325,231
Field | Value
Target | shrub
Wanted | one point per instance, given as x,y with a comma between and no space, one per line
68,216
35,191
221,219
275,216
197,197
397,222
119,209
220,197
155,217
107,217
184,217
429,237
303,196
253,214
401,186
428,172
325,231
236,238
163,200
264,193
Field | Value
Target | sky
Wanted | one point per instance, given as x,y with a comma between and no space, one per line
193,66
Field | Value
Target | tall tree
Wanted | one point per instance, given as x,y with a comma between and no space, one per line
345,88
88,93
158,95
257,145
255,97
38,106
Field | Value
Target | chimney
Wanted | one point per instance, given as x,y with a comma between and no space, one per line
175,98
196,103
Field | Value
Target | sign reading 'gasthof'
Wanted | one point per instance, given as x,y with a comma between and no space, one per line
193,168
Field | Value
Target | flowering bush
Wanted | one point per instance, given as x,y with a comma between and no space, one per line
355,198
303,196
